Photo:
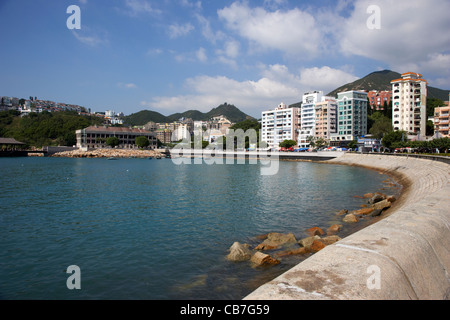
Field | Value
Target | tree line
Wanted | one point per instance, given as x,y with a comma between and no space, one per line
46,128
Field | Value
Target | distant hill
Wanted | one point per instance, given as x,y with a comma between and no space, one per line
145,116
228,110
381,80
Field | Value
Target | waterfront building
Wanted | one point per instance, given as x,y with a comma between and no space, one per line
377,99
410,104
164,135
279,124
308,120
442,121
351,117
95,137
325,118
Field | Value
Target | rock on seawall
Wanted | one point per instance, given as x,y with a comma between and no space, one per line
108,153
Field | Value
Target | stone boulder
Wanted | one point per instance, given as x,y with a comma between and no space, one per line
275,239
376,212
307,242
377,197
350,218
317,245
301,250
335,228
362,212
330,239
391,199
315,231
384,204
239,252
342,212
262,259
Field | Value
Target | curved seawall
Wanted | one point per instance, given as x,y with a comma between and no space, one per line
403,256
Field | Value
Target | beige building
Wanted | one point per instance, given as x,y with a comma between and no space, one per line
94,137
441,121
325,118
409,104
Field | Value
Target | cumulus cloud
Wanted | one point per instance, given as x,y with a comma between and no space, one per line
293,31
276,84
201,55
176,30
409,31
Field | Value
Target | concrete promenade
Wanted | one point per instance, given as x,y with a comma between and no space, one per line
401,257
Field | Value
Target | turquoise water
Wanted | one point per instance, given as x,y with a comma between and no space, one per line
150,229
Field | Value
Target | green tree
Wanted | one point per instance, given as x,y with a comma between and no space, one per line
288,143
381,125
394,137
433,103
142,142
112,142
430,128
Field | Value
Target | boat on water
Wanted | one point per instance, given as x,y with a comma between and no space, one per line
112,158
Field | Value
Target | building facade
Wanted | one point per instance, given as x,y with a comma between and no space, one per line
94,137
409,104
325,118
378,99
442,122
307,123
280,124
351,117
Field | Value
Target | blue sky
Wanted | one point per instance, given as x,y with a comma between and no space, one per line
174,55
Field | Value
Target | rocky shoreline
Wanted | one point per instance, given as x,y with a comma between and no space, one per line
109,153
285,244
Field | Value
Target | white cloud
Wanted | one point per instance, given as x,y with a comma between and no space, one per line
126,85
207,31
277,84
89,37
176,30
201,55
136,7
293,31
409,31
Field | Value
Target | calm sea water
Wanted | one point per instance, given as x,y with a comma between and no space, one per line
150,229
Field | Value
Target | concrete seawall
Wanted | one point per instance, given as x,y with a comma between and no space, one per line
403,256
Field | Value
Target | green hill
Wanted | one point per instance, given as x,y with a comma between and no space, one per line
230,111
381,80
145,116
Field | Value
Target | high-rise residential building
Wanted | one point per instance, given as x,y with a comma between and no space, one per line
280,124
377,99
409,103
307,124
351,117
325,118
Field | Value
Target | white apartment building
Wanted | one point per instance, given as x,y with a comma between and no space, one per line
351,117
307,124
280,124
409,104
